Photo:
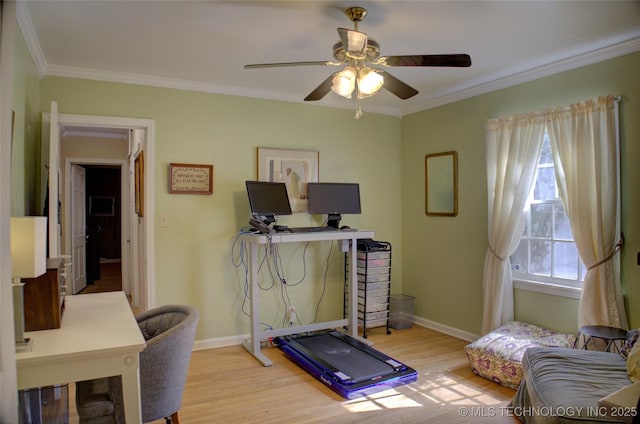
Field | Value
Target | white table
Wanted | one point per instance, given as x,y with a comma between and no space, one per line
349,243
98,337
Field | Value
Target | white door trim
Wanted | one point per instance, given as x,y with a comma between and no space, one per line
147,298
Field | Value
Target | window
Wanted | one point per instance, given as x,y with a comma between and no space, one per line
547,252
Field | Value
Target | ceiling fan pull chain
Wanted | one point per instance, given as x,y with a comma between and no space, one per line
358,104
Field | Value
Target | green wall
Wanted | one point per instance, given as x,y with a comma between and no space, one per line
194,253
25,151
437,259
444,256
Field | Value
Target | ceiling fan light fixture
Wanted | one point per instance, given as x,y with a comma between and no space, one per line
344,82
369,82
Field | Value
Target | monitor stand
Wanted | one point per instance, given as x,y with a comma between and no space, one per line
262,222
333,220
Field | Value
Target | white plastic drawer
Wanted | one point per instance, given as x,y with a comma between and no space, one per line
373,323
375,255
376,307
384,270
373,262
377,278
373,315
373,286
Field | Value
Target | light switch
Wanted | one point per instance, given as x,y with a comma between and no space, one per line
164,221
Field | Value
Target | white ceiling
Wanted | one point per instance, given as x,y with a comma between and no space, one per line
203,45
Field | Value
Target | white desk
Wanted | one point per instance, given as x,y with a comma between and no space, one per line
98,337
349,241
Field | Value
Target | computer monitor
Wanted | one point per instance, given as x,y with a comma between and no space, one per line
334,199
268,200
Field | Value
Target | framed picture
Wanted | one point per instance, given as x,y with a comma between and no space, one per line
441,182
190,178
293,167
138,170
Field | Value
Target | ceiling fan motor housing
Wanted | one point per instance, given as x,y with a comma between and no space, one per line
372,52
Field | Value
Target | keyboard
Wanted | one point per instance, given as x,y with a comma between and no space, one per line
310,229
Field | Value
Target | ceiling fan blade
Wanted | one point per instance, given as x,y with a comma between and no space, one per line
321,90
397,87
354,43
451,60
283,64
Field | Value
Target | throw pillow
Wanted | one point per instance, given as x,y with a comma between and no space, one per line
632,337
633,363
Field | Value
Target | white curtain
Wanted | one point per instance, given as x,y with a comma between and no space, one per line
513,149
584,142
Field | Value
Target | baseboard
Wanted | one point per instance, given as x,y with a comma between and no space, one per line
219,342
432,325
445,329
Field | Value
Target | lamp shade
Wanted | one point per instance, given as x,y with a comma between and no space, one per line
28,246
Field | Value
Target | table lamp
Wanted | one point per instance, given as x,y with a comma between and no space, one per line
28,260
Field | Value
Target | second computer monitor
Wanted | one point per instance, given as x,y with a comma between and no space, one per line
334,200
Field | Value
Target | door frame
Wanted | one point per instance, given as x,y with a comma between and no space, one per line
143,296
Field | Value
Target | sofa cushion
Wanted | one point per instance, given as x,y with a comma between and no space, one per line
497,356
630,341
564,385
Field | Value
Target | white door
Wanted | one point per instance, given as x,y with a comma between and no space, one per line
78,228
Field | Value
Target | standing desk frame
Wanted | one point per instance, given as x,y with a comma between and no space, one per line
348,241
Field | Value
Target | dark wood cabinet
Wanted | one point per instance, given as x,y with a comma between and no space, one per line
44,297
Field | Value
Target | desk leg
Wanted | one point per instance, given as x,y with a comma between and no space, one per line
253,344
131,389
353,289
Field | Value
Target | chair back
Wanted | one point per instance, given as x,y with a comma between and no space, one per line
170,332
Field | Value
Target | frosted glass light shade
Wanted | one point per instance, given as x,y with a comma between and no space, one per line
344,82
369,81
28,246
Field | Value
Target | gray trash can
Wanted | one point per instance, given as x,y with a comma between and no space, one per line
401,311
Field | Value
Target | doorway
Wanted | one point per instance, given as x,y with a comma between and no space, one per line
137,234
103,229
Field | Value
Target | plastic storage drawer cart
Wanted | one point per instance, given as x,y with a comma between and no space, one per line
374,284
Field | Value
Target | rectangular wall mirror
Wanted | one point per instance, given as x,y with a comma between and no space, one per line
441,182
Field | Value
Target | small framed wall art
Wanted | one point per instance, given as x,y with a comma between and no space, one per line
190,178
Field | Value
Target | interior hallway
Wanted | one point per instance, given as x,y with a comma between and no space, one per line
110,279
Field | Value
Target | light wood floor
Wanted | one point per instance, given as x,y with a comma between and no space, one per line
110,279
227,385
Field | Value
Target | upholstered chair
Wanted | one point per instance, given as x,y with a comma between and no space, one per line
169,332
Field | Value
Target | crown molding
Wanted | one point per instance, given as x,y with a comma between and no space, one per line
31,38
577,61
199,86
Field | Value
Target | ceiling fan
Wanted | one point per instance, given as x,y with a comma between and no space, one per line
359,53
